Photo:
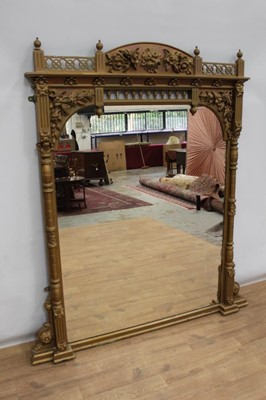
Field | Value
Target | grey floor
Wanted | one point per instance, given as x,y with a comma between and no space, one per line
191,221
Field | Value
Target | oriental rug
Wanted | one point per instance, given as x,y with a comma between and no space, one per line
100,199
164,196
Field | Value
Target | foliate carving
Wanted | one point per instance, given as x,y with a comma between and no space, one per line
222,101
58,312
70,81
178,62
45,334
61,104
237,131
239,88
126,82
151,60
41,86
46,144
62,346
44,337
230,269
123,60
99,82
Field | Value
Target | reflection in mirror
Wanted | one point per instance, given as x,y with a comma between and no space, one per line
154,254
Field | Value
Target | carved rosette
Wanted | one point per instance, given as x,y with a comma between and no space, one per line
123,60
126,82
150,82
217,83
45,334
178,62
173,82
62,103
197,83
151,60
99,82
70,81
44,338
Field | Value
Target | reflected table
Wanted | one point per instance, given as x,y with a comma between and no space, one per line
180,157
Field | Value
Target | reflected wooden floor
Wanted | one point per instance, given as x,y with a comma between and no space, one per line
123,273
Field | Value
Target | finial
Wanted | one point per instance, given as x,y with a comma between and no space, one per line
99,45
99,111
37,43
239,54
196,51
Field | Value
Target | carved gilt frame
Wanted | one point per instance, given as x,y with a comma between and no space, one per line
138,73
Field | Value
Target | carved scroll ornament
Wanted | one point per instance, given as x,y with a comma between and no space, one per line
63,102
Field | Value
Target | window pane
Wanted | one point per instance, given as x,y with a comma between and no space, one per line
108,123
154,120
136,121
176,119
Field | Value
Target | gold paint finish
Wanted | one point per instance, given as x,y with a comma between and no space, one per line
138,73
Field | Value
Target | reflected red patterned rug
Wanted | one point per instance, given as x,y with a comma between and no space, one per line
100,199
164,196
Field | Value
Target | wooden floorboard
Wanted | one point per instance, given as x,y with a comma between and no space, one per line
211,358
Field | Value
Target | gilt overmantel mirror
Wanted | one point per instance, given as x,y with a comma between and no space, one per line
138,74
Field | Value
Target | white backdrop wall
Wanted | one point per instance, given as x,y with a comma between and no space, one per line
73,27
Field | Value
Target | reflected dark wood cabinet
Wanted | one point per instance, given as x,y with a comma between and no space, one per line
91,165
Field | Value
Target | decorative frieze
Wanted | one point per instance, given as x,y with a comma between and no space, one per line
150,60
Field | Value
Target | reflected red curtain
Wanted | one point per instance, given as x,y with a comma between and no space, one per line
205,145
